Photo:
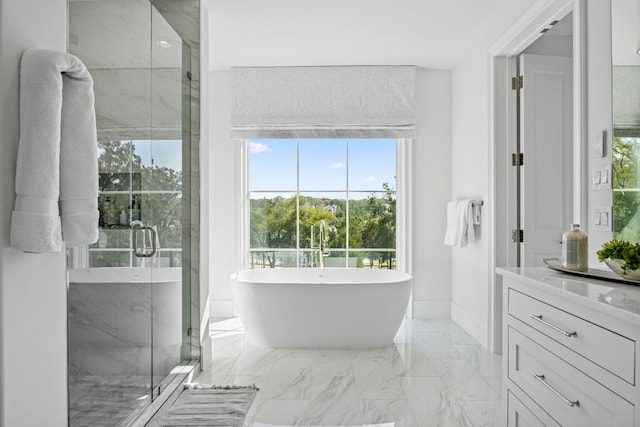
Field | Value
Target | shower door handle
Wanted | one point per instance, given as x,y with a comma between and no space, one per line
144,233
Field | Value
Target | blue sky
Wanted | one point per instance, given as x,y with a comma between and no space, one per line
323,165
167,153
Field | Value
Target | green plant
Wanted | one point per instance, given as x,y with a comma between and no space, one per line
621,249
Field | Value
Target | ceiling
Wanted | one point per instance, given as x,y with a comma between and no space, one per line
428,33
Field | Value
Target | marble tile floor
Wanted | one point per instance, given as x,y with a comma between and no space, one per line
435,375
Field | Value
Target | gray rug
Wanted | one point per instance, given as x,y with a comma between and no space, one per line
205,406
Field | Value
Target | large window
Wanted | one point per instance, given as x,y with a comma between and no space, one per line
626,185
322,202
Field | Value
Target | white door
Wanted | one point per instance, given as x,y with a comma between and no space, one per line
546,132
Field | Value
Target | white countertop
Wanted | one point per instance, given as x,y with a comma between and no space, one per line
616,299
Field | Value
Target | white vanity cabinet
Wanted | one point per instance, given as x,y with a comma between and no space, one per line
570,350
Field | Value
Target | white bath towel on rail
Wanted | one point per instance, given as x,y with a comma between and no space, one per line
451,236
57,169
461,217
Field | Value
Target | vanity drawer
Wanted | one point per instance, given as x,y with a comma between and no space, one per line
526,414
568,395
585,338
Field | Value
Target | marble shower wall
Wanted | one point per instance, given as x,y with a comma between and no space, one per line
127,107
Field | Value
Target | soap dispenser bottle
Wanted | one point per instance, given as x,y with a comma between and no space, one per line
135,212
575,254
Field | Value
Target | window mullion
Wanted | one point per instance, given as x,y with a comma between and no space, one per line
131,151
297,203
347,220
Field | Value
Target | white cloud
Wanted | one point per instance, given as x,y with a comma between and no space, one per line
369,179
336,165
258,147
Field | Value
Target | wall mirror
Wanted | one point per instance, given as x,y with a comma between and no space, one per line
625,24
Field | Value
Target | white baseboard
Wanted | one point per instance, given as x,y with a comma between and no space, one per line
431,309
221,308
476,329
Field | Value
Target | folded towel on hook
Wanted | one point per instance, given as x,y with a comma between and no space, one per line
57,167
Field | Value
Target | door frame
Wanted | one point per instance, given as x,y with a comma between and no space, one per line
502,134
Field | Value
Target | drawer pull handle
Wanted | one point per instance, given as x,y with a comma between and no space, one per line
540,378
538,317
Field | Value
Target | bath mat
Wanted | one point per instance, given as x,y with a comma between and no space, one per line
206,406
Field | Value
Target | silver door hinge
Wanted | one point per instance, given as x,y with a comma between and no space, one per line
517,82
517,159
517,236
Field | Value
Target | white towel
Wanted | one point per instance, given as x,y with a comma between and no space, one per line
452,234
466,214
476,213
57,154
461,217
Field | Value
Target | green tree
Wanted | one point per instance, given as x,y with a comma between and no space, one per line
272,225
314,210
275,224
625,176
379,230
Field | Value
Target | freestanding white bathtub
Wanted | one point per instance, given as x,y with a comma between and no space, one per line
321,307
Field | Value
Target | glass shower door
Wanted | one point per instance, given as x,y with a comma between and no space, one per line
129,295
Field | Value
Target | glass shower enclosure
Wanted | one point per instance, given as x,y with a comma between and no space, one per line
131,294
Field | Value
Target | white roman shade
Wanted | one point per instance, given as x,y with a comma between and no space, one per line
323,102
626,99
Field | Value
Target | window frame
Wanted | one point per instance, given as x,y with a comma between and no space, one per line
403,207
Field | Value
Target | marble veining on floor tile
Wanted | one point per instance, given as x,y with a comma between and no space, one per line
435,374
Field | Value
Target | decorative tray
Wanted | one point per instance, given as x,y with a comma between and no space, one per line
556,264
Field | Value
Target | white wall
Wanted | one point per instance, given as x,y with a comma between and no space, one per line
224,196
470,171
431,186
431,192
599,114
470,179
33,293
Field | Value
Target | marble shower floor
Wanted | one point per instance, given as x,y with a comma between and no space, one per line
105,400
435,375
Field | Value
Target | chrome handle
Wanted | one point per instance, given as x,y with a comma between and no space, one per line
540,378
538,317
144,251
